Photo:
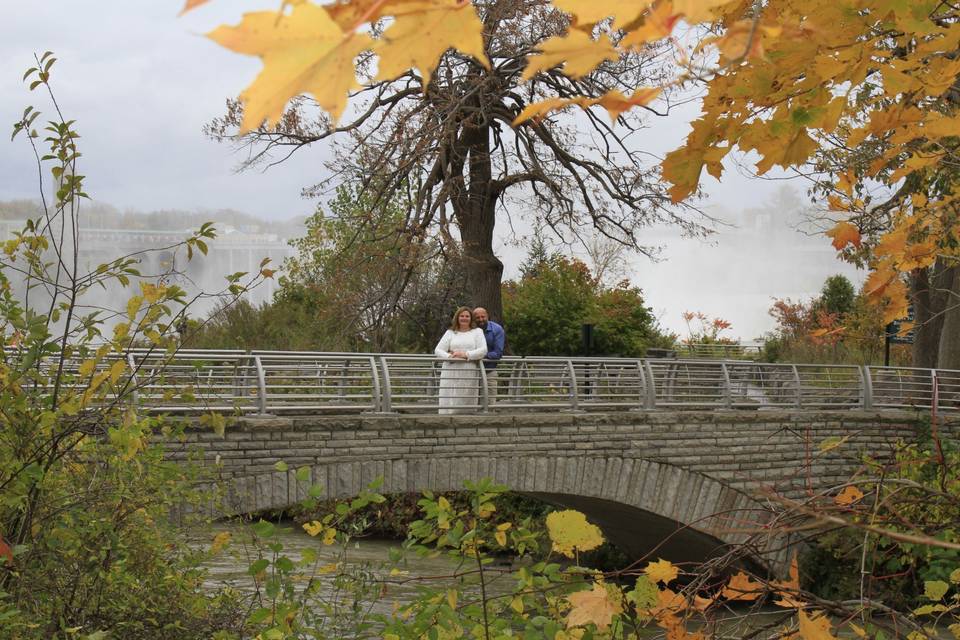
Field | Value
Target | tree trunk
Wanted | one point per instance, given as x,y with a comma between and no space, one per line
928,321
484,270
935,293
475,209
948,355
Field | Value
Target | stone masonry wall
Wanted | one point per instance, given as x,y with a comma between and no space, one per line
743,449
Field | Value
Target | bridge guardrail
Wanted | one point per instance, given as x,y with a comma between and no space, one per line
275,382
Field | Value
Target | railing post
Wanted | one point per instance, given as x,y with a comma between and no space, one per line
375,383
796,378
484,391
727,390
866,388
386,403
650,402
134,383
261,385
934,394
574,392
642,396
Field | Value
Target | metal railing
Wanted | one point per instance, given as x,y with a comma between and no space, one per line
714,350
270,382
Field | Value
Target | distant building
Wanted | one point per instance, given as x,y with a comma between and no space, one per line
232,251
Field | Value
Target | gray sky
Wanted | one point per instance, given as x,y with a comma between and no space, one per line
141,83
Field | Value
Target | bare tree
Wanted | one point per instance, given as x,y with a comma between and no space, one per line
452,149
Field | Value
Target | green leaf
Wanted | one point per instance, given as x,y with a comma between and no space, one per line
258,566
280,466
303,474
935,589
263,528
644,594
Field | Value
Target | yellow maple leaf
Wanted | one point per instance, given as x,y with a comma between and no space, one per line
918,255
848,496
596,606
593,11
661,571
816,626
897,305
220,540
576,52
329,536
682,168
303,52
423,31
351,14
699,10
313,528
742,40
879,279
844,233
570,532
741,587
892,243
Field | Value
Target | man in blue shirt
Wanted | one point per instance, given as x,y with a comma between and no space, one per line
496,339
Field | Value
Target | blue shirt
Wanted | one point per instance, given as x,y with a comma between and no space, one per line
496,339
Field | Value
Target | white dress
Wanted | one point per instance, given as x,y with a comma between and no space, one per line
460,379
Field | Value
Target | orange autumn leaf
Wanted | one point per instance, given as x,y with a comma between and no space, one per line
789,590
844,233
702,604
669,603
191,5
596,606
741,587
657,23
616,103
848,496
661,571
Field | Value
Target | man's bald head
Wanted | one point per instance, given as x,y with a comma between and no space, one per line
480,317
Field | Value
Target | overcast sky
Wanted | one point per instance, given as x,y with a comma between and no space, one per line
142,82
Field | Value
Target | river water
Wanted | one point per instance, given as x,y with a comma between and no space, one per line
395,582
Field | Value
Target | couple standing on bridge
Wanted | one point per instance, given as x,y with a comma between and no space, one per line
472,336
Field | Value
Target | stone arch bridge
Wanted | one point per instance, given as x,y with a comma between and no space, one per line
688,481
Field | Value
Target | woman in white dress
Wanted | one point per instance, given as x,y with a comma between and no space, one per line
460,347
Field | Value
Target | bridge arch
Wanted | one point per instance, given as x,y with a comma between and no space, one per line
643,506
